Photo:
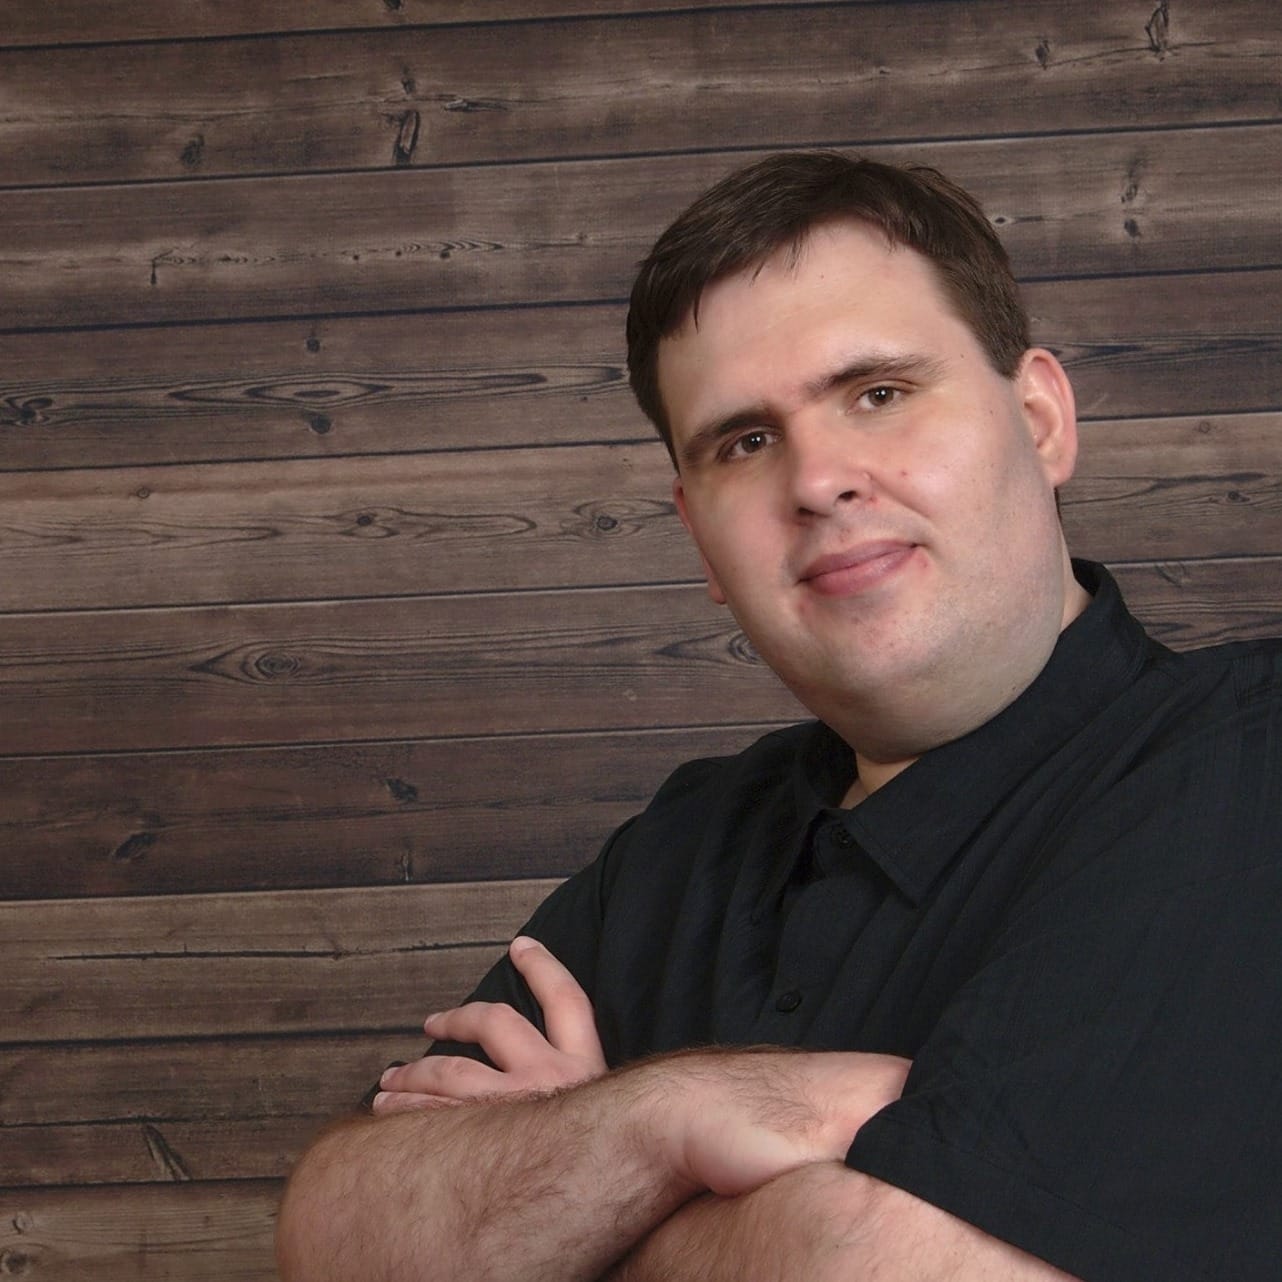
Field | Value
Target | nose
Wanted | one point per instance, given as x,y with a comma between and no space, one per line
825,468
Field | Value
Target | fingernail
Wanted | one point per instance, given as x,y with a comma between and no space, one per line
389,1070
523,944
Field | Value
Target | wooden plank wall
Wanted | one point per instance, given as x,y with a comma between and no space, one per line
342,604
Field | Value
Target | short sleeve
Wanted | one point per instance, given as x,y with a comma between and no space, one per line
1105,1091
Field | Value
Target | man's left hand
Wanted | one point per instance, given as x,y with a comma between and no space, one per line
525,1060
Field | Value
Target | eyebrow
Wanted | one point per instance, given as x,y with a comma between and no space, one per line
702,442
870,367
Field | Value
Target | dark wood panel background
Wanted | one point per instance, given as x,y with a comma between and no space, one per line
343,607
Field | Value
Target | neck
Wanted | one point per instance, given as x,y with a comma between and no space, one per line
871,775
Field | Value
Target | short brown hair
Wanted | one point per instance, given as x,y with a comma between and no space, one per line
774,203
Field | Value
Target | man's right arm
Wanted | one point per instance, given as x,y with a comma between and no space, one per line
561,1186
519,1187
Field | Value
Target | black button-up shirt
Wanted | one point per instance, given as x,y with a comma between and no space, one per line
1069,919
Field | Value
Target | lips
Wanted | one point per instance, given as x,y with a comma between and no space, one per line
851,570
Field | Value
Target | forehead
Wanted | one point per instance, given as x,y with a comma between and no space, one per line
844,291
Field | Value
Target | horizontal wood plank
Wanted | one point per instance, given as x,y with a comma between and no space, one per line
269,990
374,959
137,1082
127,21
340,815
190,1081
1197,603
582,517
152,1153
1174,345
341,527
333,386
464,94
572,231
1162,345
163,1233
378,669
156,1112
466,665
1177,488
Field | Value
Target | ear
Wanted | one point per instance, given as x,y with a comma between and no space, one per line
683,511
1050,411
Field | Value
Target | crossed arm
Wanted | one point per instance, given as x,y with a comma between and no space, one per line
709,1165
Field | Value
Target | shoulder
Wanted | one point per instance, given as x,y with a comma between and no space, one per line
1250,670
1212,692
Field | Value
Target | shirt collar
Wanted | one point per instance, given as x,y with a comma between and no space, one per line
912,826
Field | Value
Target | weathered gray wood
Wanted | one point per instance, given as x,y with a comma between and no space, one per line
309,923
1177,345
582,517
1195,603
171,1111
338,385
169,1233
337,815
175,1110
601,86
378,669
322,528
1177,488
126,21
475,379
374,960
176,1080
156,1152
572,231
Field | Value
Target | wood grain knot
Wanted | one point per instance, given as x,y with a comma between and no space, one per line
277,667
1158,29
30,412
193,152
402,791
406,138
134,848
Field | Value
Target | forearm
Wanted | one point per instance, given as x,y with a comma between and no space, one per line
784,1229
825,1223
560,1186
532,1188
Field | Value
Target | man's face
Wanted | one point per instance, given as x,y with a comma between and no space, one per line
873,501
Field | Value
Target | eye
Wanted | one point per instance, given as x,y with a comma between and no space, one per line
880,397
747,444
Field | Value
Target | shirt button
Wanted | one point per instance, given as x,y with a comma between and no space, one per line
842,838
788,1002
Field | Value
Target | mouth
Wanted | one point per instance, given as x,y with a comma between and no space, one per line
855,569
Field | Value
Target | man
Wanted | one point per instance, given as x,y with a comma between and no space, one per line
1015,895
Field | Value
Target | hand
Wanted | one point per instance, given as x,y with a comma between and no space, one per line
525,1060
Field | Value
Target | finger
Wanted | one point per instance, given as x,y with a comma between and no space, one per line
506,1036
451,1076
403,1102
567,1009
